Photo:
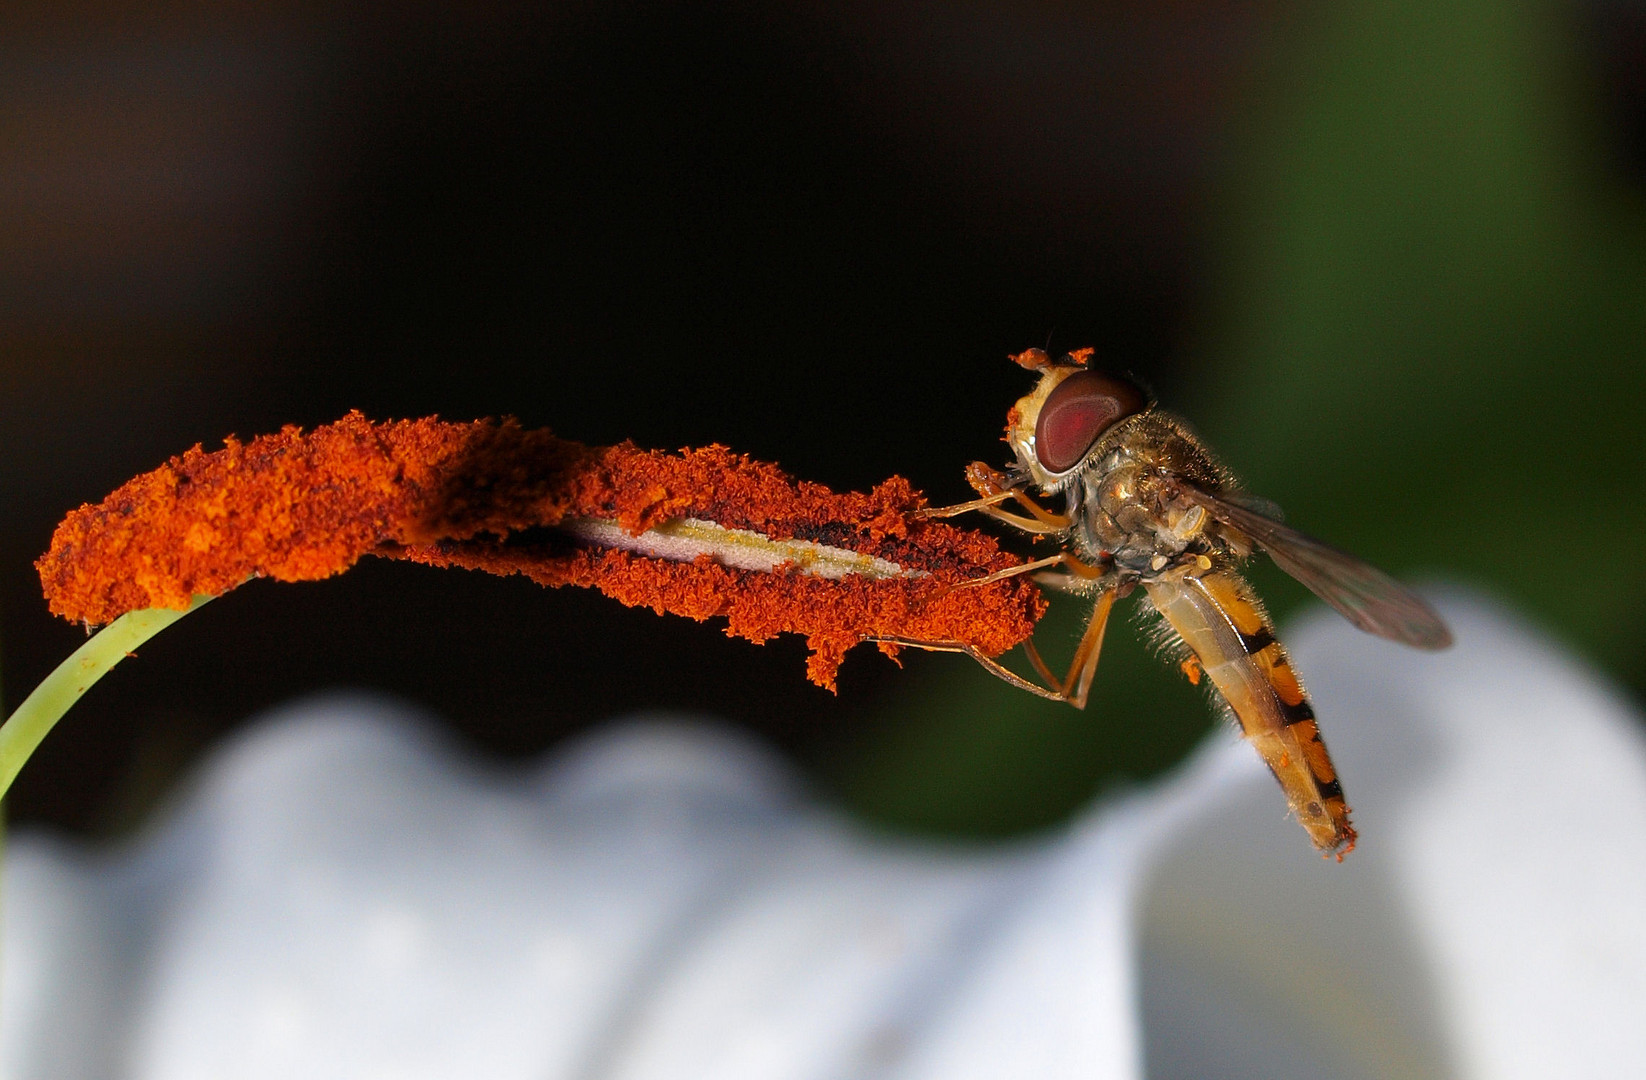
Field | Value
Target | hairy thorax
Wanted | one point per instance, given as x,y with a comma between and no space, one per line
1131,518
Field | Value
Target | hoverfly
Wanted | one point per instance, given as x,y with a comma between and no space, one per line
1145,504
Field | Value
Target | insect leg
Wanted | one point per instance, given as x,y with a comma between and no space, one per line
1086,654
992,666
1060,559
963,508
995,489
1063,558
1077,684
1059,582
987,482
988,506
1040,665
1073,689
1054,523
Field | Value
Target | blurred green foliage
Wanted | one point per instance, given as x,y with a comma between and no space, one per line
1426,343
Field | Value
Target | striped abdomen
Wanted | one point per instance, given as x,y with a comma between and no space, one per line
1217,617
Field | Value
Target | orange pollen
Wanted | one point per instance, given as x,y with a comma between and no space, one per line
701,533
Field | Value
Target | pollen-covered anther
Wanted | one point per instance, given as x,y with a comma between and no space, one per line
703,533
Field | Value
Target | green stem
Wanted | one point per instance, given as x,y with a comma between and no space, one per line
58,692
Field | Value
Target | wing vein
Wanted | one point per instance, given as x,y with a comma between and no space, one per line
1363,594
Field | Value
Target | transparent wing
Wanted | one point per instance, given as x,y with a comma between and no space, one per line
1365,595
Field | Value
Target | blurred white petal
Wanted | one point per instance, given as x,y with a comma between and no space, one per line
342,895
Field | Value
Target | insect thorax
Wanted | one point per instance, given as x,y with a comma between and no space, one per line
1129,515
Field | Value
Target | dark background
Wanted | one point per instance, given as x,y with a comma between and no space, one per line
1389,258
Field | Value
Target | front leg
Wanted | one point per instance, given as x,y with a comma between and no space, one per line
995,489
1076,568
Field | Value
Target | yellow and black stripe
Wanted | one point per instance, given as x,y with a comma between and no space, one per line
1223,623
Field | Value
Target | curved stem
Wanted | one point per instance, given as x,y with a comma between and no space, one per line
58,692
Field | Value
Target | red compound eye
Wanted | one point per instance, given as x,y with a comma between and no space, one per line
1080,409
